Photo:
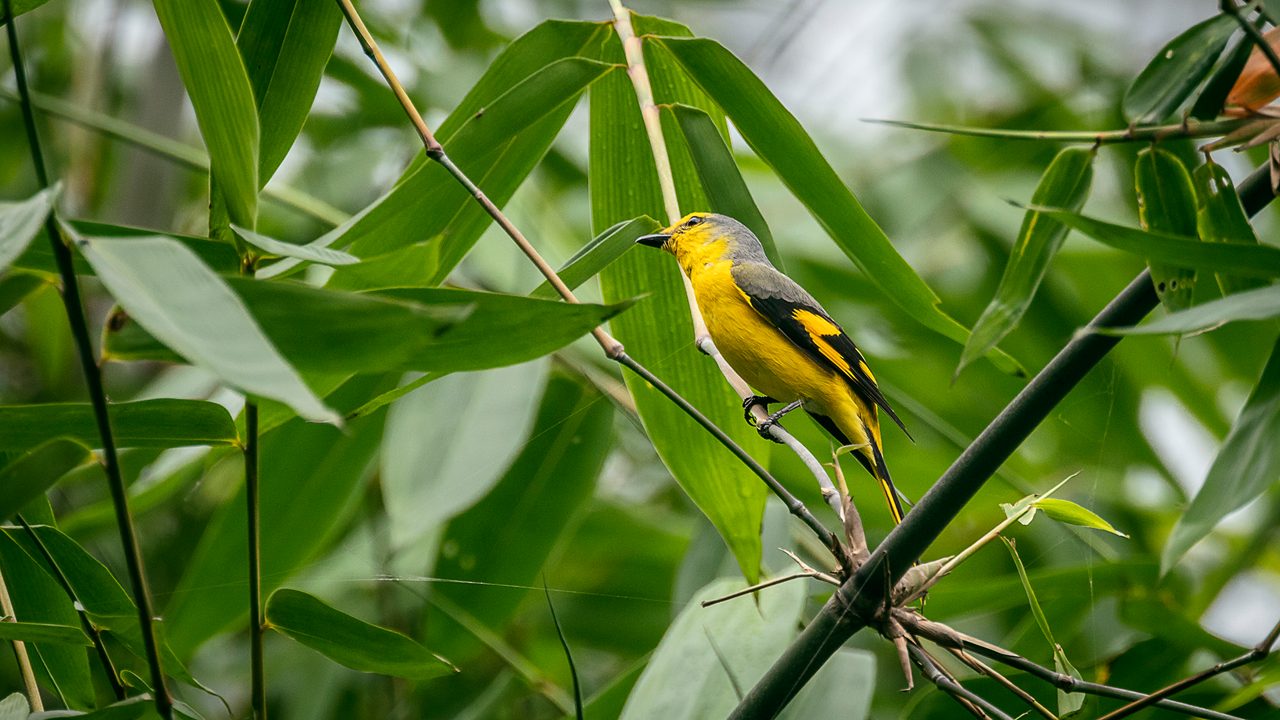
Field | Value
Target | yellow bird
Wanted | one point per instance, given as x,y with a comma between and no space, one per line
779,339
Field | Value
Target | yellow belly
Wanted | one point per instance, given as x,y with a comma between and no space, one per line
758,351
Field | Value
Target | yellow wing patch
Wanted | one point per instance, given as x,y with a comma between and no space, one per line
819,328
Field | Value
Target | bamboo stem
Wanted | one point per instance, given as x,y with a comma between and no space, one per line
97,394
649,113
20,651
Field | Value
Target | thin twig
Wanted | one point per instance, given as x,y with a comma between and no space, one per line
1188,129
950,638
947,684
20,655
97,395
95,635
1259,651
611,347
1003,681
649,113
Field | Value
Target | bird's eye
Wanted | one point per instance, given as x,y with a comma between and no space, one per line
695,220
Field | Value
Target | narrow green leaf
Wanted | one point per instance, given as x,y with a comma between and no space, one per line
219,88
43,632
1067,702
1065,511
497,147
597,254
349,641
60,668
161,422
1065,184
727,193
1176,71
308,253
706,652
285,45
20,222
1167,203
131,708
409,266
658,332
16,286
1260,304
179,300
777,137
556,471
422,329
27,477
1221,218
1259,261
1246,466
1213,98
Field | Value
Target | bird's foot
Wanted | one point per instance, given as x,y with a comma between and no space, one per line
767,424
750,404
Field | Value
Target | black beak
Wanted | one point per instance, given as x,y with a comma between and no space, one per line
656,240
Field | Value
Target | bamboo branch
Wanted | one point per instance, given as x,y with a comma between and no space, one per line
949,685
849,608
20,651
1259,651
649,113
97,394
256,626
611,347
1003,681
1146,133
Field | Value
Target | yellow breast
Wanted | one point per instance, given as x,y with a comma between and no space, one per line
761,354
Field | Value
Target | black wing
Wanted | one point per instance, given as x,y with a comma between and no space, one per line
802,320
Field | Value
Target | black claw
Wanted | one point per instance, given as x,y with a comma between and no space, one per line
751,402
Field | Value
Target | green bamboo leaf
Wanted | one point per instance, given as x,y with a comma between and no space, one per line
100,595
778,138
422,329
312,481
1260,304
624,184
16,286
285,45
215,78
555,470
20,222
727,193
596,255
178,299
160,422
38,258
43,632
1167,203
497,147
131,708
1176,71
1065,511
689,675
308,253
1246,466
409,266
60,668
1221,218
1258,261
1067,702
27,477
1065,184
350,641
842,688
1213,98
